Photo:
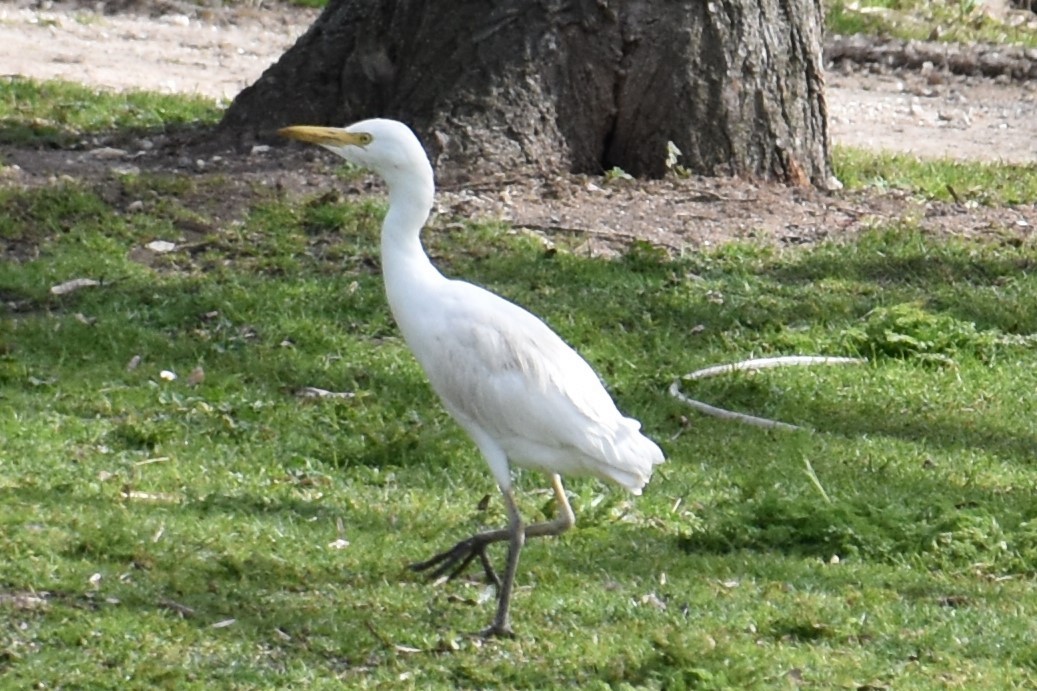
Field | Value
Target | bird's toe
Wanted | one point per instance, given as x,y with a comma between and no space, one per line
496,630
452,563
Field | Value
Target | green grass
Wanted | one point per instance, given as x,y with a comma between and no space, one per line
987,184
60,113
958,21
159,533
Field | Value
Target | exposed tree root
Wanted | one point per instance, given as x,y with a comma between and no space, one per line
989,60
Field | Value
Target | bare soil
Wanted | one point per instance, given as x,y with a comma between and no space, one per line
180,48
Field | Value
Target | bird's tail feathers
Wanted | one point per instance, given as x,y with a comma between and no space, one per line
631,456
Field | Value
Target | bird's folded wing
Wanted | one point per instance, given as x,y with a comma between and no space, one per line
504,369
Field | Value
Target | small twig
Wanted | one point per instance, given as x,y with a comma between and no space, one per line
572,230
491,185
177,608
616,235
148,461
378,634
196,247
715,197
753,365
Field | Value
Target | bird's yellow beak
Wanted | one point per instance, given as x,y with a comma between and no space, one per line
326,136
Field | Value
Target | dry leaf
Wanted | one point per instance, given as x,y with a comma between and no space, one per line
150,496
406,649
196,377
314,392
73,285
653,600
161,246
107,152
22,601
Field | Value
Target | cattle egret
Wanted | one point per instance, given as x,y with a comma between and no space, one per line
523,396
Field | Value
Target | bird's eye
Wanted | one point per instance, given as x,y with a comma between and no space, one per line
364,138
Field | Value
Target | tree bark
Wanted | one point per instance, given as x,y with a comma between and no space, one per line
578,85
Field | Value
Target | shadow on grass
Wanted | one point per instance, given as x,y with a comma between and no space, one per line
912,267
211,576
938,428
953,432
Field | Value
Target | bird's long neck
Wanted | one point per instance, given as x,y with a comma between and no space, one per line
406,268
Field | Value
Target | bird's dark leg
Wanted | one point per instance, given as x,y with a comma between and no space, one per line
501,626
454,561
565,520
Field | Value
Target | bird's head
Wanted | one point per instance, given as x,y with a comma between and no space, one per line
386,147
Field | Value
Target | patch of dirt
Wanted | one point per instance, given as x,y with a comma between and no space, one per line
933,114
175,48
702,212
169,49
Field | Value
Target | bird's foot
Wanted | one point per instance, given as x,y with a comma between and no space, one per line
496,630
455,560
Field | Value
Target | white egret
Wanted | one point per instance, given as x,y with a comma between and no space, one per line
522,395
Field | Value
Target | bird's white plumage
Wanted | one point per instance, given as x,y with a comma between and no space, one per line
501,370
523,395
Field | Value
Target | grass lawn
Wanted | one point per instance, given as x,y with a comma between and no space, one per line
957,21
226,532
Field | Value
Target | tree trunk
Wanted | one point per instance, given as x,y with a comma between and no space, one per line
579,85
